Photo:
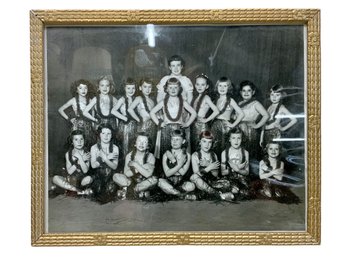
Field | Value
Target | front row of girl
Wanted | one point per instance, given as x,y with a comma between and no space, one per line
193,177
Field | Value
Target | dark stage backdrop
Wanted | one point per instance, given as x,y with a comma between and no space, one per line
263,54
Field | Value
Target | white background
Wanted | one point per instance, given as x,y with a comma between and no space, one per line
15,130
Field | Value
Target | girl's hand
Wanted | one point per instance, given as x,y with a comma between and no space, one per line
264,167
185,125
242,165
72,120
213,166
182,160
78,155
132,164
103,155
229,125
170,157
203,120
255,126
277,172
163,124
234,166
86,157
112,156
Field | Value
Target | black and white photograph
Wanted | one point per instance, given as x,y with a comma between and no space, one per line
176,128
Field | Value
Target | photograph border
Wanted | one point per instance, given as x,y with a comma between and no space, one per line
39,19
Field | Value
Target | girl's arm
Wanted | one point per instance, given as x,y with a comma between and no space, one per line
133,106
192,113
94,156
65,106
70,168
265,115
146,169
116,107
214,108
189,92
293,120
244,167
83,161
195,163
223,167
181,167
112,158
86,111
239,112
127,171
154,111
278,173
266,172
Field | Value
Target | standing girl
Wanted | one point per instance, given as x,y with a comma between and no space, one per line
202,103
173,107
250,124
104,159
81,91
77,159
103,103
226,106
276,110
127,125
144,104
235,164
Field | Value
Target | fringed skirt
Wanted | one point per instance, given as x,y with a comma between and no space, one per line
264,189
196,130
251,140
126,136
166,136
220,131
86,126
270,134
149,128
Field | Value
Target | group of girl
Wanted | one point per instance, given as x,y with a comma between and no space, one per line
188,145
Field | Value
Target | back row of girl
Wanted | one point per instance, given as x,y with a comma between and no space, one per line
175,109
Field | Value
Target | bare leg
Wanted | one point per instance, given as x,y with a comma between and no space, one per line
188,186
167,188
63,183
121,180
86,181
201,184
146,184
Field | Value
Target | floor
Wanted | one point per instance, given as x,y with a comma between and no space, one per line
67,214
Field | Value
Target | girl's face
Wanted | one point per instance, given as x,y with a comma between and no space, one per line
105,135
130,90
247,92
201,85
275,97
104,87
175,67
236,140
142,143
82,90
176,142
173,89
78,142
273,150
206,144
223,88
146,88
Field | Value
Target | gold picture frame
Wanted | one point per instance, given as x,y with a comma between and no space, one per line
41,19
